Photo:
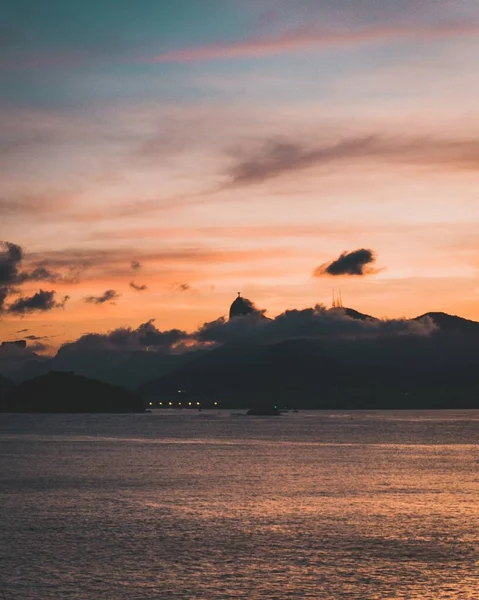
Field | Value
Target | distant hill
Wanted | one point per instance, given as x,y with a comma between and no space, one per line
354,314
69,393
13,356
444,321
242,370
5,385
393,372
323,373
128,369
452,323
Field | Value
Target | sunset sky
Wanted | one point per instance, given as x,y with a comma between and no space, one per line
205,147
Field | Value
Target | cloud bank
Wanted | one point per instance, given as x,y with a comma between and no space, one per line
314,323
145,337
317,322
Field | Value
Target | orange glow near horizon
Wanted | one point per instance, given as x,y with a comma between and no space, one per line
232,182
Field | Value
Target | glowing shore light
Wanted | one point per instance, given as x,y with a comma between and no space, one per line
216,403
170,403
197,404
151,403
189,403
161,403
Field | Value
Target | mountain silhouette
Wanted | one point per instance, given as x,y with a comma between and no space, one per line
69,393
128,369
403,371
5,385
452,323
245,370
354,314
436,371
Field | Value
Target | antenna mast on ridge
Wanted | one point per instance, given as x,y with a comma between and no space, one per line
337,298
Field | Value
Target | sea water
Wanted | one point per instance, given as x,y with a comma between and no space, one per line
214,506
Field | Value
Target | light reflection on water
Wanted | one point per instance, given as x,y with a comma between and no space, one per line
177,505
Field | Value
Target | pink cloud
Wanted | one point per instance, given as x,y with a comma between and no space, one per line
307,40
301,39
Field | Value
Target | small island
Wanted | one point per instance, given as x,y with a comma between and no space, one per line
65,392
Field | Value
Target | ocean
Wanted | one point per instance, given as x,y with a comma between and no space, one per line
215,506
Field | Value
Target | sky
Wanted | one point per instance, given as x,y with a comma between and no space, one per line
156,158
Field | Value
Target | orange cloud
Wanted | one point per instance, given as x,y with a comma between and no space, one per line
102,264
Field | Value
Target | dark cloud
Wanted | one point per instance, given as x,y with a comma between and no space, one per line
279,156
135,265
38,274
149,335
138,288
349,263
316,323
145,336
15,353
22,330
38,347
11,256
183,287
107,296
37,337
4,292
41,301
19,348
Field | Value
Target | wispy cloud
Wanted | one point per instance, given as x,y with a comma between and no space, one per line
46,274
279,156
114,261
37,205
305,39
